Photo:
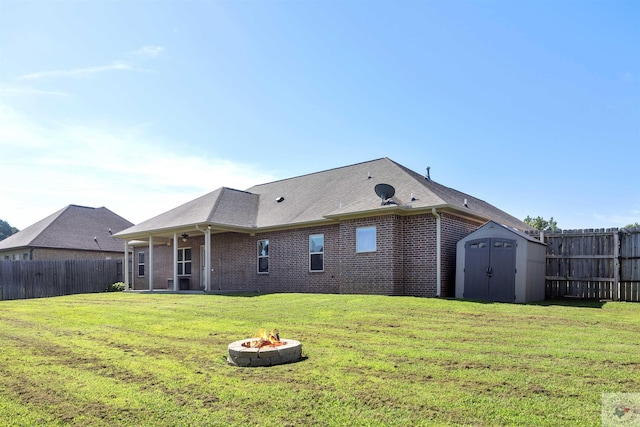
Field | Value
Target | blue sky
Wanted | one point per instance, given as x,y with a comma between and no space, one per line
139,106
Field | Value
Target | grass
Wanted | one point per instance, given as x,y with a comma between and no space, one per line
128,359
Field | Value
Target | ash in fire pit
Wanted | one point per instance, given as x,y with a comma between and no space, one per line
265,350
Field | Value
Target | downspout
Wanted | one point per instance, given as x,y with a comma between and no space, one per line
438,252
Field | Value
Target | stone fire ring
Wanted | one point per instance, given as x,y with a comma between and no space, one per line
289,352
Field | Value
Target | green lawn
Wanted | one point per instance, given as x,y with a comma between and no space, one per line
130,359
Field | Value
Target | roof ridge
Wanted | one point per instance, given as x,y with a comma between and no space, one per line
218,199
216,203
43,225
322,171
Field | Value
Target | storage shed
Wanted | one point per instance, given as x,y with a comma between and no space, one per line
499,263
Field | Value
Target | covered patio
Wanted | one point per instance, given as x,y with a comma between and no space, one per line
173,251
182,274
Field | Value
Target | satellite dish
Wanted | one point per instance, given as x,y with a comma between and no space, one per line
384,191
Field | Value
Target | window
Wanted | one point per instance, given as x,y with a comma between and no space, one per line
184,261
506,245
140,264
366,239
263,256
316,252
25,256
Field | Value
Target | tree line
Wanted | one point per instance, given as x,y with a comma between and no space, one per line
6,230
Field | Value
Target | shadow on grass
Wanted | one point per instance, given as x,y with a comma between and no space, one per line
253,293
242,294
571,302
557,301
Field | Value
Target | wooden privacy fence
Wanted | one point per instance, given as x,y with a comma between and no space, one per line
37,279
603,264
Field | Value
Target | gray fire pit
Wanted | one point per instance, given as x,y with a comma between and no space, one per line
288,351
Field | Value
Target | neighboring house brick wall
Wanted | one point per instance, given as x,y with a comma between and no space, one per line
38,254
59,254
15,254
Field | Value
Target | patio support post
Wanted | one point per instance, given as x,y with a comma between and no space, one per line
150,263
207,259
126,265
175,262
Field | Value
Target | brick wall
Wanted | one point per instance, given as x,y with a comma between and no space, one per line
163,265
379,272
419,254
234,262
404,262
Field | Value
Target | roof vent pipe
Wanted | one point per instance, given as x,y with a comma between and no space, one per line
428,175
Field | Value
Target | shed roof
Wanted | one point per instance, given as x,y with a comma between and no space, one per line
72,227
516,232
324,196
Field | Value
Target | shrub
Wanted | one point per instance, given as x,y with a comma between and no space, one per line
115,287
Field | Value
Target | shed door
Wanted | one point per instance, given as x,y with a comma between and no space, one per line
502,283
477,260
490,269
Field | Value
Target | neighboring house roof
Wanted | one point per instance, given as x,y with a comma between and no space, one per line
73,227
322,197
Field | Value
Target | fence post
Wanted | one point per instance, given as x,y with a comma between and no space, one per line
616,265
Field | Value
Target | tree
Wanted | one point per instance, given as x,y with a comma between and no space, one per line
6,230
540,223
632,225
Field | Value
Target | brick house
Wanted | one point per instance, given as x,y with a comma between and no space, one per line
325,232
74,232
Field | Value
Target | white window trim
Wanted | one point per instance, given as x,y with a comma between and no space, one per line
375,239
184,262
316,253
262,256
141,263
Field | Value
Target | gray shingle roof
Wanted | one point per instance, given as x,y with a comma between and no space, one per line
322,197
223,207
73,227
349,190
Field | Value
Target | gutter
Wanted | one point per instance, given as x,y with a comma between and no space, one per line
438,252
